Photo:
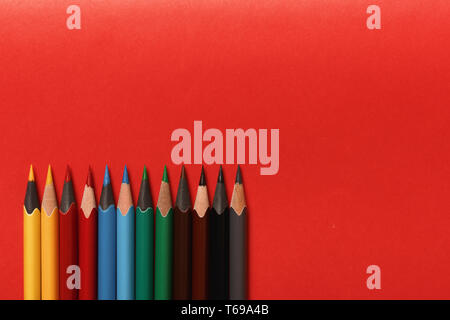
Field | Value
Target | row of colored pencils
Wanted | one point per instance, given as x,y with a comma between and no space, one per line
119,252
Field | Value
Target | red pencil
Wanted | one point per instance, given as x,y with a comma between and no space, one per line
68,244
87,241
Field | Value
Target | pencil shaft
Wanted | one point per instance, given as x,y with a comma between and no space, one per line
238,255
50,254
144,254
218,255
182,254
87,240
68,252
163,255
125,254
32,254
199,256
107,253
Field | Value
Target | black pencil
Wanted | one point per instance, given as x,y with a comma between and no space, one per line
218,236
238,241
182,241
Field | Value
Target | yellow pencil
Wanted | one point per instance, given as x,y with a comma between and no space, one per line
31,242
50,241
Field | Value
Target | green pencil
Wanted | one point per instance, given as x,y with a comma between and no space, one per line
144,241
163,241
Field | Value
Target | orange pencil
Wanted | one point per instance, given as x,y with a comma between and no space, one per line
31,242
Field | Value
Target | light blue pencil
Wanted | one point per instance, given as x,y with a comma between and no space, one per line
125,241
106,242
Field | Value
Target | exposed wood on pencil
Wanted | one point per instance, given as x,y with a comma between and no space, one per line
88,198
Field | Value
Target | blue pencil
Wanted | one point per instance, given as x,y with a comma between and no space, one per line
106,242
125,241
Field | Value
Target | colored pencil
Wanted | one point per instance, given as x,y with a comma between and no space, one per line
238,241
182,241
31,241
106,242
163,241
218,236
87,242
125,241
200,218
49,241
144,241
68,241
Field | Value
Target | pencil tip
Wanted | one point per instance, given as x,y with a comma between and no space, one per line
68,178
165,177
183,173
144,174
49,176
106,178
238,175
125,178
220,178
31,173
202,178
89,181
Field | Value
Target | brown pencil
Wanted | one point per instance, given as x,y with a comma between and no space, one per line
182,237
200,218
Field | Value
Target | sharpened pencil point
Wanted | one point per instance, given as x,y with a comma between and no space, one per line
89,181
31,173
183,174
125,178
202,178
220,179
49,176
238,175
165,177
106,178
144,174
68,177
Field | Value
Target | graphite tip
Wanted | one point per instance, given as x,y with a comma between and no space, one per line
165,177
183,173
144,174
106,178
202,181
220,179
89,181
49,179
125,178
67,177
31,173
238,175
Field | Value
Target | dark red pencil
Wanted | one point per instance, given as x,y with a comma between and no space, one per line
87,242
68,244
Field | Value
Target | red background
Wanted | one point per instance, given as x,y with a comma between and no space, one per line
363,116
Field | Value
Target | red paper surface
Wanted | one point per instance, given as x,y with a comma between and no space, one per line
363,116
